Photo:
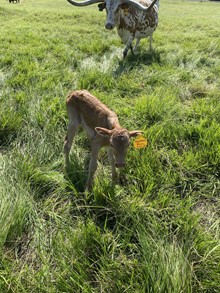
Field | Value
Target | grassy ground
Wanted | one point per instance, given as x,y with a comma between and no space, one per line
159,231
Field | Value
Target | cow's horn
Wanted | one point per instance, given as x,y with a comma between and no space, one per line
138,5
84,3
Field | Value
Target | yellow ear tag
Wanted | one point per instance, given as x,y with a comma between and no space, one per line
126,11
140,142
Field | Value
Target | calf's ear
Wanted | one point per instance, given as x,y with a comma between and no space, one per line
103,131
134,133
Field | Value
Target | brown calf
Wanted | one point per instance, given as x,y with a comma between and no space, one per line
102,126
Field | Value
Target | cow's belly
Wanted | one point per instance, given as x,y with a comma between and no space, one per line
137,25
144,33
124,35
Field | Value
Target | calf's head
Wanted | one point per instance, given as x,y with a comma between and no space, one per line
119,140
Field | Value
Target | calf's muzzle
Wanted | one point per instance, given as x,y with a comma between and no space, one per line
119,165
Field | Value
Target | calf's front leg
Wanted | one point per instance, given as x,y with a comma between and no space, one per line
112,163
95,148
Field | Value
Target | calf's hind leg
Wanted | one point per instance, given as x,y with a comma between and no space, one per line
71,132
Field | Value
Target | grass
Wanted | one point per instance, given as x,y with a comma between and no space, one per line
159,231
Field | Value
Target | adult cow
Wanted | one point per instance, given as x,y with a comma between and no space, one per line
133,19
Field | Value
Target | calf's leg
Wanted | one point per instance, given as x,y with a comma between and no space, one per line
71,132
112,163
95,148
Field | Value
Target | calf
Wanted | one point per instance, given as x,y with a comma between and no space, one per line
102,126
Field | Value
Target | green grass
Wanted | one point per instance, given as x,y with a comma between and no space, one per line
159,231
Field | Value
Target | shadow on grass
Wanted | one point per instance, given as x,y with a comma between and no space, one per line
6,137
98,204
76,174
101,203
133,61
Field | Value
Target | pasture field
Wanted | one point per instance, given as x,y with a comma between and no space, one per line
159,231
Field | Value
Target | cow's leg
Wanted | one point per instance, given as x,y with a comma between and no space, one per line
95,148
71,132
136,45
128,46
112,163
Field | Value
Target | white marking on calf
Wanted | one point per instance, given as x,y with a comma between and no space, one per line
102,126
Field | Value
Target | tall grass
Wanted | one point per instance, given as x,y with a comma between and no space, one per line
159,230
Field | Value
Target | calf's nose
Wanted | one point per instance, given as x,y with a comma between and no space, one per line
119,165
